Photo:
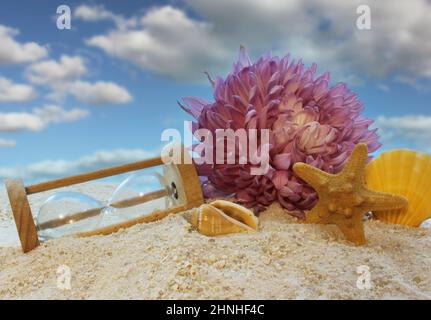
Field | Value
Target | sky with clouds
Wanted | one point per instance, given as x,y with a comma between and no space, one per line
102,92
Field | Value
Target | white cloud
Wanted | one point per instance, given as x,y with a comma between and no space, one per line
13,52
420,84
325,31
99,13
15,92
18,121
383,87
63,77
174,44
6,143
39,118
93,13
168,43
413,130
412,123
57,168
56,72
99,93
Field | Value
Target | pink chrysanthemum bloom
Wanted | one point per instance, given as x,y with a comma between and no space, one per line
309,121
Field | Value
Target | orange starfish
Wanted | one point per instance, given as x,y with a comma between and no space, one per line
344,197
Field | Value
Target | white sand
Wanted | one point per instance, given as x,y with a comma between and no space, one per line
166,259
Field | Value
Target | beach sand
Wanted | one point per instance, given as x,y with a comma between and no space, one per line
169,260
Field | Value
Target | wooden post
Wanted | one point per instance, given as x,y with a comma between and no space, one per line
99,174
22,214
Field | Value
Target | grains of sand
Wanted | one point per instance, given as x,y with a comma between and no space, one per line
169,260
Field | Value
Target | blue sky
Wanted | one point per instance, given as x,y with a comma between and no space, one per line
103,92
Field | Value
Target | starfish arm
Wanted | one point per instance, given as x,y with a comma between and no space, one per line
378,201
357,161
313,176
354,230
317,215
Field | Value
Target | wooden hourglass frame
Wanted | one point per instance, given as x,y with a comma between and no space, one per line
182,177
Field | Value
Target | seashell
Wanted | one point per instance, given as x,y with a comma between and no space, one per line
237,212
406,173
228,218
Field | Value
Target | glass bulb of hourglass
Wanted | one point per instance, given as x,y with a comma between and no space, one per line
138,195
67,213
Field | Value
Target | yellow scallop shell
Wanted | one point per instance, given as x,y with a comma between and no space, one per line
406,173
223,217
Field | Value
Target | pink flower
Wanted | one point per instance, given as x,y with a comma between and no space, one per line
309,121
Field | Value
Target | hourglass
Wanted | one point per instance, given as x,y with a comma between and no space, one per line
140,198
